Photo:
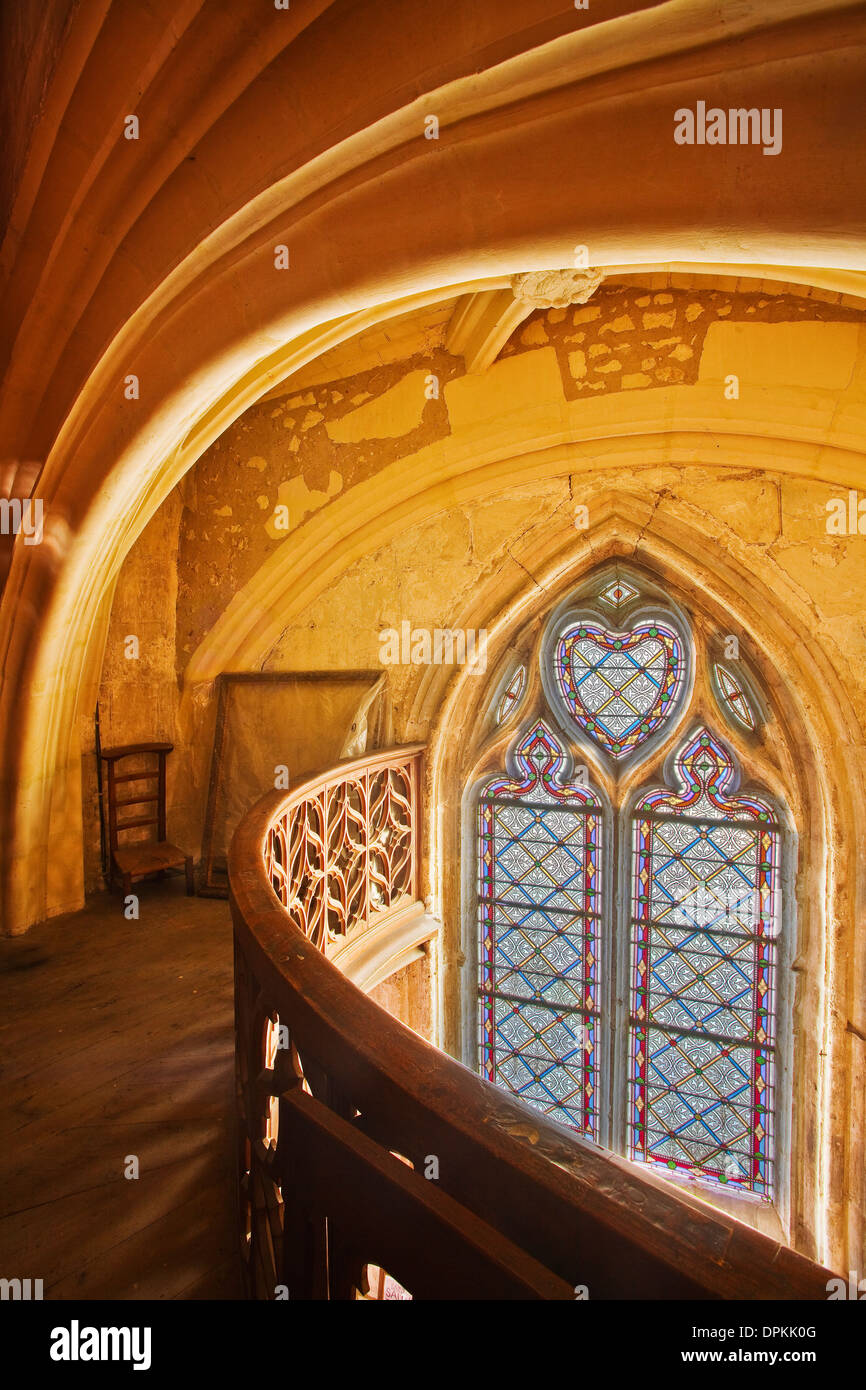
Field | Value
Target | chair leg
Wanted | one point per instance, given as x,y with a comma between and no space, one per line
190,881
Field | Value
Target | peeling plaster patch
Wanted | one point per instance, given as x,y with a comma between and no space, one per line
669,351
262,502
311,418
396,412
667,320
512,389
621,325
257,462
307,399
301,502
222,511
535,334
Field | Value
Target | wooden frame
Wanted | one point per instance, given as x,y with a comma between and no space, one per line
214,882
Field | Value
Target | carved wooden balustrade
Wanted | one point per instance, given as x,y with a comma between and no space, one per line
343,1110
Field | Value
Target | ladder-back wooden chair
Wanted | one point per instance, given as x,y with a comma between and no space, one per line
143,857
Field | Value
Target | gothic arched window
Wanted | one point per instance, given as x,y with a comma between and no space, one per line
628,892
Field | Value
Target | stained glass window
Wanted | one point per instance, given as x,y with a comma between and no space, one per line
687,940
539,903
733,698
510,696
620,686
702,996
617,593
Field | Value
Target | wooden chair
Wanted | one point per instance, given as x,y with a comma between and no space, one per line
138,860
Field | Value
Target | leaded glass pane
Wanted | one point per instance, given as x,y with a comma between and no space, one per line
510,696
539,905
733,698
618,593
704,932
620,686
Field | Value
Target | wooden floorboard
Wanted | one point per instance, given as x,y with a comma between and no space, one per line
116,1038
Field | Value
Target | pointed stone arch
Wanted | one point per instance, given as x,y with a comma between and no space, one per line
824,790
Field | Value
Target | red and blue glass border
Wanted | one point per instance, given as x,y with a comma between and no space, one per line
669,684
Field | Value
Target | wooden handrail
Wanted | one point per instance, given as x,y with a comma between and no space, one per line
330,1119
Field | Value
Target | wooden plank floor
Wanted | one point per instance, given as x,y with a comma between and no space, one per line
116,1038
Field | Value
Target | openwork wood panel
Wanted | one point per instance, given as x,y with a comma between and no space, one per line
373,1166
345,854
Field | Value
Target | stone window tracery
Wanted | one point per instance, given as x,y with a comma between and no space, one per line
629,902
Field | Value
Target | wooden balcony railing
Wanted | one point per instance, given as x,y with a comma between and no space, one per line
343,1110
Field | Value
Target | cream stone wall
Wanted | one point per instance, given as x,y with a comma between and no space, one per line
137,696
406,995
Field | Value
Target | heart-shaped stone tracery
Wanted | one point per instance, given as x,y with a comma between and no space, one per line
620,686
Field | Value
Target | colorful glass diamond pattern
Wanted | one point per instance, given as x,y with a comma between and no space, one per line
539,854
620,686
510,696
703,955
734,700
618,593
